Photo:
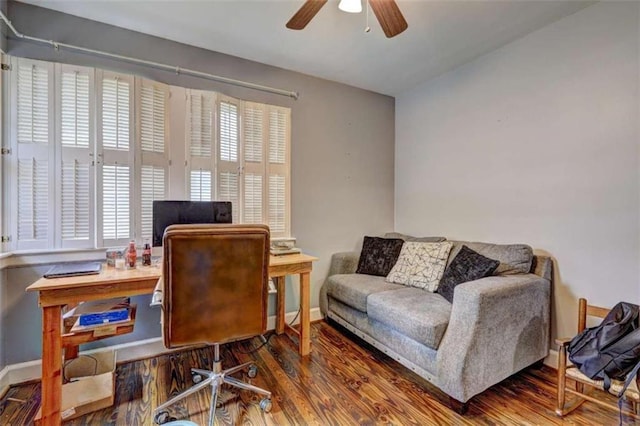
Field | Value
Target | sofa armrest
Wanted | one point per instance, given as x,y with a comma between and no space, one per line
344,263
341,263
498,326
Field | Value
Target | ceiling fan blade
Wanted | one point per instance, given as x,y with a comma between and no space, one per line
389,16
305,14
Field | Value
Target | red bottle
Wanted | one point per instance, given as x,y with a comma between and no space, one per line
132,255
146,255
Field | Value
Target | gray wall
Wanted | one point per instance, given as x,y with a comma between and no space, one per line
536,142
342,149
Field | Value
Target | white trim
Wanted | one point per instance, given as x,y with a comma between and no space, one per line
32,370
40,257
552,359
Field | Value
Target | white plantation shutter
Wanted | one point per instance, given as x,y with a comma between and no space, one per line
75,145
115,157
253,167
252,198
200,123
33,102
76,201
116,103
153,101
200,185
153,188
228,130
33,200
277,204
229,190
152,106
200,138
278,171
32,132
91,152
253,128
278,134
228,182
116,220
74,109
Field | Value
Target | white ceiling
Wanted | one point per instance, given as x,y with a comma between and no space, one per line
334,46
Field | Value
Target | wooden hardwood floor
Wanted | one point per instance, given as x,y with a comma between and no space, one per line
343,382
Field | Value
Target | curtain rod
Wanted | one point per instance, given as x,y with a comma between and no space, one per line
178,70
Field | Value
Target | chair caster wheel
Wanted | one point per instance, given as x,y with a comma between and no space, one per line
162,417
253,371
266,405
197,378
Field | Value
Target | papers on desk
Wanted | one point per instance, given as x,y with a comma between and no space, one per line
277,251
100,312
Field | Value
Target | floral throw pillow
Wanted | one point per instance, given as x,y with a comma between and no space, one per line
421,264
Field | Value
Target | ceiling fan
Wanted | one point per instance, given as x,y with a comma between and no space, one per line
387,12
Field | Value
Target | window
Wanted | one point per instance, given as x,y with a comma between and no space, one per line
200,160
115,158
228,188
75,143
91,150
32,128
152,135
250,163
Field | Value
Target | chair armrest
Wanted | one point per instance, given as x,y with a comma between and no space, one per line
563,342
498,326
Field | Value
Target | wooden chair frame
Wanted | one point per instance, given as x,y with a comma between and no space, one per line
584,310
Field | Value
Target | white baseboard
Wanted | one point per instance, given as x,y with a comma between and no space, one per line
32,370
552,359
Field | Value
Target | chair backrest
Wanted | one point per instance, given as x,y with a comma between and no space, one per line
215,283
585,310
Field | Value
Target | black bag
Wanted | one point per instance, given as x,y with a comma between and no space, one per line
612,349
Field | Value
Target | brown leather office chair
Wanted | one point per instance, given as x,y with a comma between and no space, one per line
214,291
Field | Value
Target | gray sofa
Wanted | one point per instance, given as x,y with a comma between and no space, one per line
495,327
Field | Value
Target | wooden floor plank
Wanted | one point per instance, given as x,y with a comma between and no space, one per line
343,382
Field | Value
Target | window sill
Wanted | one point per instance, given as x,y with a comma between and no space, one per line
40,257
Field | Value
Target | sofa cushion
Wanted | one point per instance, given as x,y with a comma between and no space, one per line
420,265
378,255
353,289
467,266
418,314
406,237
513,258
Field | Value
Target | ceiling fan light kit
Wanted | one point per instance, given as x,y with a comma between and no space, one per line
386,11
350,6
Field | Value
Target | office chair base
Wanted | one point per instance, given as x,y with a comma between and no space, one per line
215,379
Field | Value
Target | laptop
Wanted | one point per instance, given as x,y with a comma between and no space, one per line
73,269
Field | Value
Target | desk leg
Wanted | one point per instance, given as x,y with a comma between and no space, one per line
51,365
279,282
305,338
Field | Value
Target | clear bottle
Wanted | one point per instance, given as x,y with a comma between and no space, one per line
131,254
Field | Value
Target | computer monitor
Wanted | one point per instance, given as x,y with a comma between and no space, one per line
167,213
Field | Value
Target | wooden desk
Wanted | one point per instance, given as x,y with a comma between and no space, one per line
54,294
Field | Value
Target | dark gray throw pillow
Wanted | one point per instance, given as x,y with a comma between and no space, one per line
379,255
468,265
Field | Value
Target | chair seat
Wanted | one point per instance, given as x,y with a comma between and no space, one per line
632,392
